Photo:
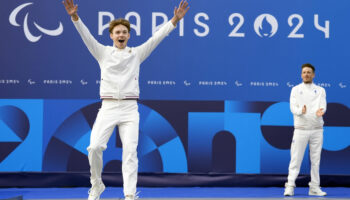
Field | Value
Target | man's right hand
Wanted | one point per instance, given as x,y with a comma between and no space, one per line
71,9
304,109
320,112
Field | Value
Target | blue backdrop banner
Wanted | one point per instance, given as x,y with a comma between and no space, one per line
230,50
214,93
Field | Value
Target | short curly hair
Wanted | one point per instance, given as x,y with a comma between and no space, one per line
117,22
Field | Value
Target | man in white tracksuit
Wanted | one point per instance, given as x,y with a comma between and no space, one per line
119,91
308,105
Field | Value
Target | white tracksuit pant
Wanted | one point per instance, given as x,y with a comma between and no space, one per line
300,140
123,113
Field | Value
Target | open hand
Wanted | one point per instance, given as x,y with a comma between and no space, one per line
180,12
320,112
70,7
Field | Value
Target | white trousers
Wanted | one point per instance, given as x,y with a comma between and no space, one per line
125,115
300,140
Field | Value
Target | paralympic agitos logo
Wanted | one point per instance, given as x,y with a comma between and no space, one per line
27,33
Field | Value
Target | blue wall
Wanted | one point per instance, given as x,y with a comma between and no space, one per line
224,74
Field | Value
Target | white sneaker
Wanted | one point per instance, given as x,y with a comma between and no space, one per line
96,190
289,191
132,197
316,191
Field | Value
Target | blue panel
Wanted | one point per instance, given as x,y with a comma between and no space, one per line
83,143
146,145
202,127
173,157
57,111
72,129
158,128
244,126
7,135
278,115
336,138
18,159
246,129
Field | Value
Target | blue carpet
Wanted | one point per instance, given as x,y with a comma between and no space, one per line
196,192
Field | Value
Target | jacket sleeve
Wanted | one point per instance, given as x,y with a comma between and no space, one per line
295,108
146,48
323,102
95,48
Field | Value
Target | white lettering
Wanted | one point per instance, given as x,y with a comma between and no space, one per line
155,27
203,25
101,26
137,26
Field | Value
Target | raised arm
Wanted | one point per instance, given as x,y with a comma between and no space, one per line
71,9
146,48
95,48
180,12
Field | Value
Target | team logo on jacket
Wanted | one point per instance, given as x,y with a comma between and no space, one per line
27,33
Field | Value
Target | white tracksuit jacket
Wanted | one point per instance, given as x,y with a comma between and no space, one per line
314,97
120,67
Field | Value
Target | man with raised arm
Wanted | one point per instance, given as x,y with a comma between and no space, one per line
308,105
119,91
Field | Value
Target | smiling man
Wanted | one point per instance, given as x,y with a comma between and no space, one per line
308,105
119,30
119,91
